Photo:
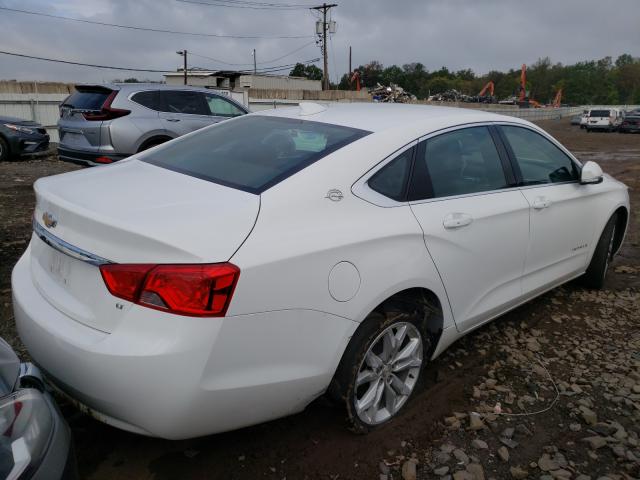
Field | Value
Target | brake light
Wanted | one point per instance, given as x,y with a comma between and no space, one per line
107,112
199,290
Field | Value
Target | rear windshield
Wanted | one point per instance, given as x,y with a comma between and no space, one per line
252,153
600,113
87,100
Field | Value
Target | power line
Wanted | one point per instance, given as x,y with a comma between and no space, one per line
148,29
249,5
259,63
147,70
68,62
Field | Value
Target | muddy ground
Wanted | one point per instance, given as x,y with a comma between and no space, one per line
573,353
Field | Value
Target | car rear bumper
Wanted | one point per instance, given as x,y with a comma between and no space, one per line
88,158
179,377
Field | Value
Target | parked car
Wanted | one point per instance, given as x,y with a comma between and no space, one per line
604,119
584,119
35,442
630,124
234,275
21,137
101,124
575,120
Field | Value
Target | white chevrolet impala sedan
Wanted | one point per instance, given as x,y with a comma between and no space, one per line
235,274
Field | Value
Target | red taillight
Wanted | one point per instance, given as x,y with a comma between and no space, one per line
201,290
104,160
107,112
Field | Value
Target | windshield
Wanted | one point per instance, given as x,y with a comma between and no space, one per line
253,153
599,113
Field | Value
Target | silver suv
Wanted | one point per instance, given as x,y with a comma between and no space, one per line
103,123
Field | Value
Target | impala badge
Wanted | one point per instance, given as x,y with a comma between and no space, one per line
49,220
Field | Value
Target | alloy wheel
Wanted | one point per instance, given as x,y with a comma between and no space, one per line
388,373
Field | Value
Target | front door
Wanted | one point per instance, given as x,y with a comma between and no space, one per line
183,111
561,227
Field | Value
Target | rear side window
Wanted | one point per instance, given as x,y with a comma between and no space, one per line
148,99
176,101
539,160
252,153
222,108
87,99
457,163
391,180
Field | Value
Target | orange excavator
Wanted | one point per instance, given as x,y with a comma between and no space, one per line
557,101
523,100
489,87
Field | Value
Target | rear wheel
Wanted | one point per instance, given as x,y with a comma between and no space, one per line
597,270
380,369
4,150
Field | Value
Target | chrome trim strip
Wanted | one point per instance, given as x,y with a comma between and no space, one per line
66,248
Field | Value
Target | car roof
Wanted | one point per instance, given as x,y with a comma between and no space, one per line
144,86
377,117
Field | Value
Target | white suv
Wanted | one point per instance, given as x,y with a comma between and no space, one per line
235,274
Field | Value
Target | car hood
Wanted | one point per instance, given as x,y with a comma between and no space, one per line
19,121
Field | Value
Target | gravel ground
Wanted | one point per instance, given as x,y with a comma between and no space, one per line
550,390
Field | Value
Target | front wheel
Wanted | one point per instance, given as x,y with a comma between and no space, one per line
597,270
4,150
380,369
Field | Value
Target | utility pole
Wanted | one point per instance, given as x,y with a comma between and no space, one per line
349,62
184,68
254,61
325,53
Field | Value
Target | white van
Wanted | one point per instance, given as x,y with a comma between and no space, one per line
604,119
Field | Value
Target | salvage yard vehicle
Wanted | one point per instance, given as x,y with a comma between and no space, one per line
35,440
584,119
101,124
630,124
604,119
575,120
234,275
21,137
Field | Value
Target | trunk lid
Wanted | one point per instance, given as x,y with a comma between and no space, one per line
130,212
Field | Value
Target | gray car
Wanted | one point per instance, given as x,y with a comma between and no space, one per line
104,123
35,440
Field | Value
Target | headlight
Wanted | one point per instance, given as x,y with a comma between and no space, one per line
25,429
20,128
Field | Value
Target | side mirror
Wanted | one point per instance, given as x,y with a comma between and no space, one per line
591,173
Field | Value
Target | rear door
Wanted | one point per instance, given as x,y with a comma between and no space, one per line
183,111
561,227
76,132
475,222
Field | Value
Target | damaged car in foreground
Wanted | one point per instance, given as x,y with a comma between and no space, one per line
35,441
237,273
21,137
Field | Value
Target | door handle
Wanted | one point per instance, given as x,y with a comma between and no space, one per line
457,220
541,202
173,119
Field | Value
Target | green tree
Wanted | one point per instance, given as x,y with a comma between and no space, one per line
307,71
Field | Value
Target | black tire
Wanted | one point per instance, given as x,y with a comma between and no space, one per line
152,143
343,386
5,154
603,254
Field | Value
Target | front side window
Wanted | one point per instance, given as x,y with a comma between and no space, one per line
222,108
177,101
252,152
391,180
457,163
539,160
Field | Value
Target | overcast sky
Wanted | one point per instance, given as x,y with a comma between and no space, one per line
481,35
